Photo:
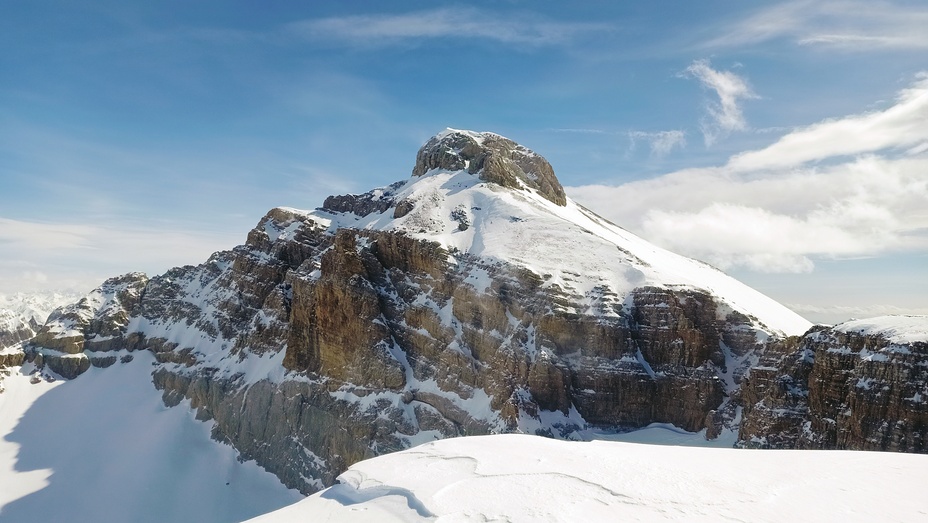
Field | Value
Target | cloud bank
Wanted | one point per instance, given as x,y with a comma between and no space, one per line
843,188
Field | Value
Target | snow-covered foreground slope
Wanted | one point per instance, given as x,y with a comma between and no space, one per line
529,478
104,448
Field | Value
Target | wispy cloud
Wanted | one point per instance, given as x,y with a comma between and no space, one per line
724,116
903,125
55,255
661,142
768,210
844,24
456,23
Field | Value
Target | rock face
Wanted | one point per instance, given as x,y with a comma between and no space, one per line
473,298
845,387
68,341
21,316
14,329
494,158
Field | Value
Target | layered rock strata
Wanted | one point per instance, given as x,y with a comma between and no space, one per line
835,388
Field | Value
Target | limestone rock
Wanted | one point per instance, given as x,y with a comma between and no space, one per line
494,158
836,389
94,322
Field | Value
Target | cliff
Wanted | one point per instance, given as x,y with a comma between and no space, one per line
860,385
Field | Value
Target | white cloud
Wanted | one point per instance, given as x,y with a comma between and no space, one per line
768,210
848,25
461,22
661,142
725,115
901,125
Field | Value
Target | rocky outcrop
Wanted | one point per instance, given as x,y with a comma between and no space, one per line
96,320
493,158
22,314
11,359
15,330
96,323
363,204
837,389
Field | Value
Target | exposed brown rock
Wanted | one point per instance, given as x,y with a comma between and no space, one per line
839,390
496,160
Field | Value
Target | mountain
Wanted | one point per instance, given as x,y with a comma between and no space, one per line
21,315
472,298
526,478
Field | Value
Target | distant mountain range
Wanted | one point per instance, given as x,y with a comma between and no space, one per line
22,314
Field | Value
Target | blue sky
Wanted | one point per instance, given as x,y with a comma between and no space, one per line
782,141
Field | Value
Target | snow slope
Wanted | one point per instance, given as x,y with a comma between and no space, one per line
104,448
528,478
568,246
896,329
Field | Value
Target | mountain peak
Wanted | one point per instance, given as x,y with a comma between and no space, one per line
494,158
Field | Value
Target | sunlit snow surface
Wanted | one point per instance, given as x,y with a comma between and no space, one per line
530,478
104,448
896,329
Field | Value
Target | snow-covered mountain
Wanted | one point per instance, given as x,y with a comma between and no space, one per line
522,478
471,298
21,314
572,248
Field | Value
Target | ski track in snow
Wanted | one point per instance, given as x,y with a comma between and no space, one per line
104,448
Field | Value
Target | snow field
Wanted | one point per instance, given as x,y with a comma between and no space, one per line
104,448
520,478
898,329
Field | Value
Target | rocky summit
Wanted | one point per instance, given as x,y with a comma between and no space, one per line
472,298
